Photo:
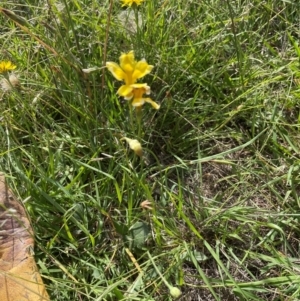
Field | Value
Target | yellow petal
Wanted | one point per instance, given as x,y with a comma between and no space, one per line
141,69
130,2
138,86
6,66
127,61
125,91
128,97
116,71
137,102
155,105
140,90
134,145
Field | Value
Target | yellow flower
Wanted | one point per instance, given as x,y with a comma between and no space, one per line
134,145
129,70
6,66
130,2
136,92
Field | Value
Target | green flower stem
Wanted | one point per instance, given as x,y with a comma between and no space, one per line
174,291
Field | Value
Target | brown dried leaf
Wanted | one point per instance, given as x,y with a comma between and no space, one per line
19,276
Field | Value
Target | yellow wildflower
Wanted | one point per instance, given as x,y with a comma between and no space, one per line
6,66
128,71
136,92
134,145
130,2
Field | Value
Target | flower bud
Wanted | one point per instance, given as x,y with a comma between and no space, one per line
134,145
175,292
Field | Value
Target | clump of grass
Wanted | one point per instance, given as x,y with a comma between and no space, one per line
213,197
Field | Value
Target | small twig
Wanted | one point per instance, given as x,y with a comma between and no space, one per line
134,261
106,41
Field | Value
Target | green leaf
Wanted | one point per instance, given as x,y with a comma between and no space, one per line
138,234
121,229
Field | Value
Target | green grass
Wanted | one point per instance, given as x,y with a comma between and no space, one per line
221,155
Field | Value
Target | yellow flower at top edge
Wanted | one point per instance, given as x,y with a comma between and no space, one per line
130,2
6,66
128,71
